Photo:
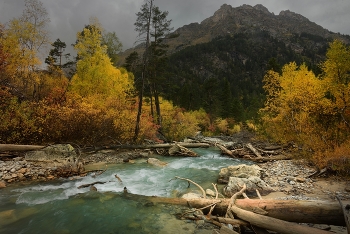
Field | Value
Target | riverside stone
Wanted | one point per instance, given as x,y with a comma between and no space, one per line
252,183
156,162
2,184
210,192
7,177
191,196
22,170
60,153
241,171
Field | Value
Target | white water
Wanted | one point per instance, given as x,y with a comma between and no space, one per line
56,203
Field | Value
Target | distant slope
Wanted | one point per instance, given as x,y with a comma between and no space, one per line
219,64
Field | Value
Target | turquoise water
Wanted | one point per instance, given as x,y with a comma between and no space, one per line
60,207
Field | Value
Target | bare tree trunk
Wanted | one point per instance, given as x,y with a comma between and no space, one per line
274,224
12,147
144,69
299,211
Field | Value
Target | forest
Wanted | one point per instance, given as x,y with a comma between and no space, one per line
89,100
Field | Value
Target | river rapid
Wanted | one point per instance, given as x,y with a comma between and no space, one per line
61,207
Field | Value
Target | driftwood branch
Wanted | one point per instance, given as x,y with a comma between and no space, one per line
88,185
224,150
233,199
118,178
255,151
216,190
200,187
177,150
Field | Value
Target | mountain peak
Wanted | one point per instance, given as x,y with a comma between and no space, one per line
292,15
262,8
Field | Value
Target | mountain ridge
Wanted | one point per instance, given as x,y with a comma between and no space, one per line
219,63
228,20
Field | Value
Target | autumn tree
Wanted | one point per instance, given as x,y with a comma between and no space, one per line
292,99
336,82
311,111
95,74
22,41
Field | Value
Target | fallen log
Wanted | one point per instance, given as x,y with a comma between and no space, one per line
13,147
346,212
178,150
271,158
277,147
274,224
224,150
299,211
250,146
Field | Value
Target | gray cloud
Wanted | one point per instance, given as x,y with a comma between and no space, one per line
70,16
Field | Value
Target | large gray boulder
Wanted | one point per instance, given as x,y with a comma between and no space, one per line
62,153
156,162
253,183
250,175
241,171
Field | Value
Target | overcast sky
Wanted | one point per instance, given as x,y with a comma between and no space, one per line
70,16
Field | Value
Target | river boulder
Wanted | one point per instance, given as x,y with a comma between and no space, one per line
62,153
253,183
236,176
240,171
156,162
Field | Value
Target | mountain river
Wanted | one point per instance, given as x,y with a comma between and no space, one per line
60,207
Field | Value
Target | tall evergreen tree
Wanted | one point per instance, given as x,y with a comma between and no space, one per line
143,27
160,28
55,60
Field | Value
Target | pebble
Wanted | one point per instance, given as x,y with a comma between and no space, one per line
19,170
291,178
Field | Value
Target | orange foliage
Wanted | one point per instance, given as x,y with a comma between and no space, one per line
78,120
312,112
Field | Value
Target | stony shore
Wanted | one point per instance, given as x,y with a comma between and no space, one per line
29,167
289,178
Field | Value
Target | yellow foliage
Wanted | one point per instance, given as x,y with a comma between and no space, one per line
312,112
178,124
293,99
251,126
95,74
222,125
236,128
21,61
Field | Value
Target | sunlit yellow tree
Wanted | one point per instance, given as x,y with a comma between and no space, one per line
311,111
95,74
22,41
291,100
335,107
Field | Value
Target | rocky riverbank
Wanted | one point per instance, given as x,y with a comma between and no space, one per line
58,161
289,179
